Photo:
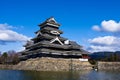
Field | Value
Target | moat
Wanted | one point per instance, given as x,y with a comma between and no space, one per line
81,75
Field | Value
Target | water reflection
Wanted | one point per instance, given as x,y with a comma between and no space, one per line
35,75
101,75
54,75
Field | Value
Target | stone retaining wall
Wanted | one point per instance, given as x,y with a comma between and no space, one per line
109,66
6,66
52,64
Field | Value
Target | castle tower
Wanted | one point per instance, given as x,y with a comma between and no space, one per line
49,43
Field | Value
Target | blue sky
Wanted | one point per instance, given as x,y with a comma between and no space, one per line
94,24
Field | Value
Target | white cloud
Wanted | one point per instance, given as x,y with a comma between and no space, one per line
5,26
106,43
96,28
8,35
106,40
98,48
109,26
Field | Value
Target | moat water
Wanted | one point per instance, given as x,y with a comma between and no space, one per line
81,75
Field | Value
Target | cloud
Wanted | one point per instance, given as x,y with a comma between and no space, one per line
111,26
96,28
5,26
108,26
98,48
106,43
106,40
8,35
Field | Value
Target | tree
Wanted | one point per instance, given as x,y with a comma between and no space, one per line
10,57
115,57
4,58
92,61
15,59
0,53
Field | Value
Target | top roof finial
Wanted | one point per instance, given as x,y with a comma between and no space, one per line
51,19
51,22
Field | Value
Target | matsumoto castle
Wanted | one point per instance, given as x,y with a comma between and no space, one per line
49,43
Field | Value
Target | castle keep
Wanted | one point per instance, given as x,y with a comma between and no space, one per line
49,43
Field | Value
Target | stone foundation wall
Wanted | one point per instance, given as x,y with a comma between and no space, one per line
53,64
6,66
109,66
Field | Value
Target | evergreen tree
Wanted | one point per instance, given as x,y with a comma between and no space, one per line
4,58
